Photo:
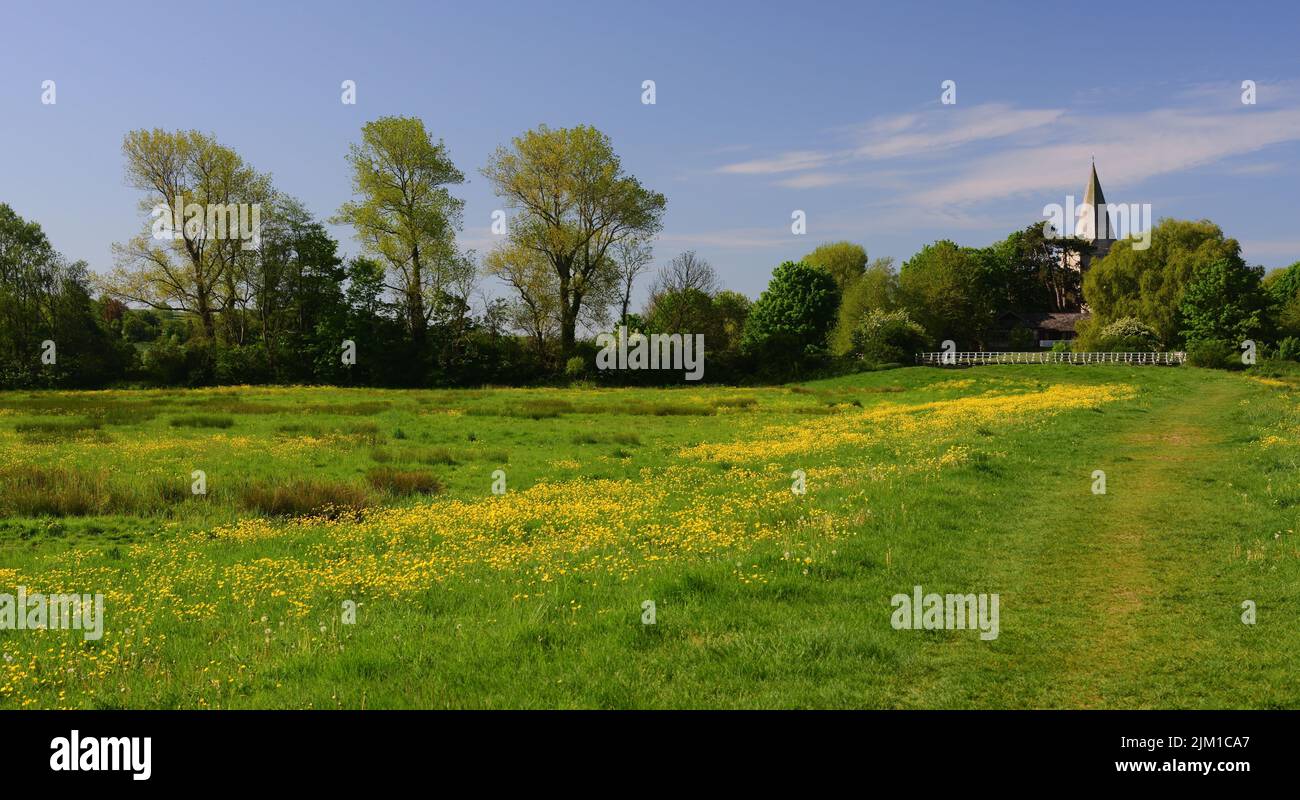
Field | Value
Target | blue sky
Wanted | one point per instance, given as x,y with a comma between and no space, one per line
761,109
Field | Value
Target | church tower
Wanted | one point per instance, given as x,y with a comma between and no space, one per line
1094,224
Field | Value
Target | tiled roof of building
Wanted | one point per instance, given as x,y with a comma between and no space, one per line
1049,321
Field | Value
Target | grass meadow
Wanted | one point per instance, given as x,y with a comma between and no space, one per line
977,480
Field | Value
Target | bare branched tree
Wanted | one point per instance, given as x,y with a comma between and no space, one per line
631,258
686,271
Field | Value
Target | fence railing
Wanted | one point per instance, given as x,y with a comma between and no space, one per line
954,359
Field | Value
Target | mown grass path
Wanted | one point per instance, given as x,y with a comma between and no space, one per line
1133,598
1138,549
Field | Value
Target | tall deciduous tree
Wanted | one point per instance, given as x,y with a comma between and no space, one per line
43,298
941,289
406,216
1283,286
731,309
195,271
1224,300
573,204
1025,272
793,316
681,299
296,290
845,261
1050,258
686,272
876,289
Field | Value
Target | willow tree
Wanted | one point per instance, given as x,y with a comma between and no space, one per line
405,216
188,261
572,204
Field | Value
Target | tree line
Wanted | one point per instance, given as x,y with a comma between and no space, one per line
1188,290
202,304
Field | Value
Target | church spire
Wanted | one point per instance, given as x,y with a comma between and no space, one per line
1097,224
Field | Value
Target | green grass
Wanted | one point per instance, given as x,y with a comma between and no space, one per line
960,481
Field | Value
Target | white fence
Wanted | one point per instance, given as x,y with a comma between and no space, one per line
955,359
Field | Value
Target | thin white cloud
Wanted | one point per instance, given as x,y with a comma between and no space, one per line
1133,148
895,124
901,135
948,127
1268,93
787,162
1264,168
815,180
948,157
941,221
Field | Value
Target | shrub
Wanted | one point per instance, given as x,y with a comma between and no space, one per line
575,367
888,337
1213,354
875,289
172,364
1023,339
1289,349
242,365
1127,335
